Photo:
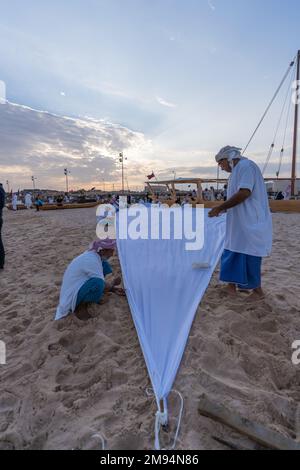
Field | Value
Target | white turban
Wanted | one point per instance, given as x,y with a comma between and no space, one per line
228,153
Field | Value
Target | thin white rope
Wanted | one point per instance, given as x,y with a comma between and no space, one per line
99,436
289,91
150,392
161,419
179,418
286,126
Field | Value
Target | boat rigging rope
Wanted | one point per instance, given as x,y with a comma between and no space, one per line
270,104
278,124
285,130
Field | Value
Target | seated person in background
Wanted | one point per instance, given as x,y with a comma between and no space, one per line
83,281
279,196
185,201
59,200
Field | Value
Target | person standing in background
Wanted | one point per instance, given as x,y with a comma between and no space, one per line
225,192
2,204
15,202
28,201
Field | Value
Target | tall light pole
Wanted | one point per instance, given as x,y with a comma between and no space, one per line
66,173
121,160
33,178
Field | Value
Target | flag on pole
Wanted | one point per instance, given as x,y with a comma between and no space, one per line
150,177
288,192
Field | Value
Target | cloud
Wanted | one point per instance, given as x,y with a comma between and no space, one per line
163,102
211,5
43,144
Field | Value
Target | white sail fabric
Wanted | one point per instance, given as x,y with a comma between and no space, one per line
164,291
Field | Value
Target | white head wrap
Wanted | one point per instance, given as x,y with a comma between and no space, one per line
228,153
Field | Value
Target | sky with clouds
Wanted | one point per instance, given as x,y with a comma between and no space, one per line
168,82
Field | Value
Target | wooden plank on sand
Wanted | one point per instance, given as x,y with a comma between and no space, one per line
254,431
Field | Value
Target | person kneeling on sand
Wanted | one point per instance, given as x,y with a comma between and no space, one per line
83,281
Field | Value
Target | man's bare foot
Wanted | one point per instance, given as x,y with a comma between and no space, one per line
119,291
110,285
230,290
117,281
257,294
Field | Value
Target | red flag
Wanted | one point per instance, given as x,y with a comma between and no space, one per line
151,176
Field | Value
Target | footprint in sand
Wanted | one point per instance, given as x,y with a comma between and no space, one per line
119,378
8,405
64,375
38,330
54,349
72,345
128,442
15,330
26,323
38,442
7,302
11,314
11,441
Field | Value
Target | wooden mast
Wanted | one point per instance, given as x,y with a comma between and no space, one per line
293,176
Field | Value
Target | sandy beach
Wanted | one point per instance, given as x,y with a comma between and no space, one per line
66,381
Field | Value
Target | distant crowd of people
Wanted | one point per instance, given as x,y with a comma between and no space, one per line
213,194
36,201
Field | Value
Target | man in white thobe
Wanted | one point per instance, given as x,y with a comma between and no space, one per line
249,223
28,201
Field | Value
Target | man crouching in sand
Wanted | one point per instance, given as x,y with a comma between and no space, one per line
248,226
83,281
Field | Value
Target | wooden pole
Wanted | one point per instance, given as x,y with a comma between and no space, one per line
262,435
173,191
199,193
293,175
